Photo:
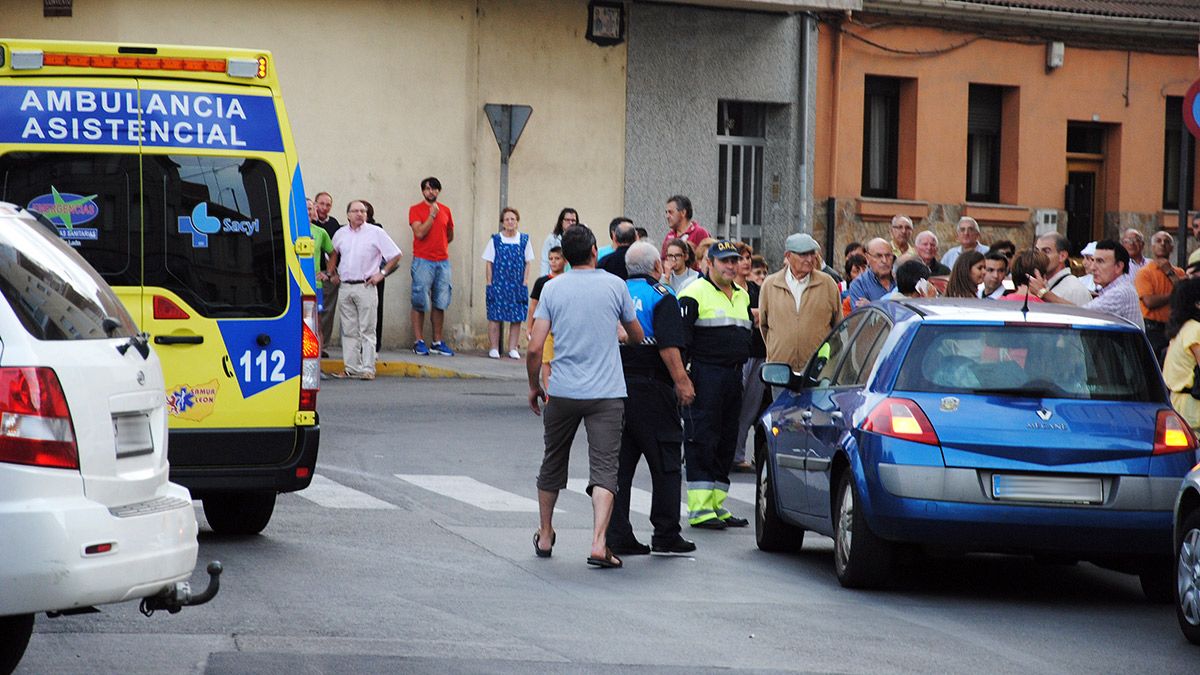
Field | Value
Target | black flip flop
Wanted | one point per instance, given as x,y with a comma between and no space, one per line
544,553
609,561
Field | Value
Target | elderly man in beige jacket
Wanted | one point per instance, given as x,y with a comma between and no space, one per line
798,304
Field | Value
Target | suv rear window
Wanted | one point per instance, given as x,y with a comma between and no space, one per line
1031,361
53,292
232,266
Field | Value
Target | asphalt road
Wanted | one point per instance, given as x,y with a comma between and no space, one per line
374,573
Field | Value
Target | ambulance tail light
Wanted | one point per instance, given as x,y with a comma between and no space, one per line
165,309
310,354
35,423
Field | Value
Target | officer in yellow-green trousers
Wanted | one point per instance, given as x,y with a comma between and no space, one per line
717,325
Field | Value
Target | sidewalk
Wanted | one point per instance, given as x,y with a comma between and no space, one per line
461,365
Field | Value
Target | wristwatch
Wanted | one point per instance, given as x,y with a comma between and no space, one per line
1042,292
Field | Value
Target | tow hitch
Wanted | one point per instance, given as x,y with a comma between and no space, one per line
180,595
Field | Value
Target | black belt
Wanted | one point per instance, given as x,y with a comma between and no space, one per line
360,281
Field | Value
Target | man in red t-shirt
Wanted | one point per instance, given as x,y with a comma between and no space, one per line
680,224
433,230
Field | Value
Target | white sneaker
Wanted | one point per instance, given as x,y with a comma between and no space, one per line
494,354
514,354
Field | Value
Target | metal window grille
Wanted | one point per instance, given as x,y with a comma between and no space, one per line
740,171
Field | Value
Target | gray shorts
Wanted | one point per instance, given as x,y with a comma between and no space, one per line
604,419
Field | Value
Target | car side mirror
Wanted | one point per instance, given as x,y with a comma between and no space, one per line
780,375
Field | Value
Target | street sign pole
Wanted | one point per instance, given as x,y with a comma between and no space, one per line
1185,196
507,122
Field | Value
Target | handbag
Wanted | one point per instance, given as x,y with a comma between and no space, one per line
1195,390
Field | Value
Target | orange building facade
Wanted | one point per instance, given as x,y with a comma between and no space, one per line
1025,130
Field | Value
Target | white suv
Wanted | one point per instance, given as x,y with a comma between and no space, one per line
87,515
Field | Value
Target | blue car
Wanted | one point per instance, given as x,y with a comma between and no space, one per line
974,425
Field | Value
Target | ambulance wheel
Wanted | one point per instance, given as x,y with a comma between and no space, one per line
15,631
238,512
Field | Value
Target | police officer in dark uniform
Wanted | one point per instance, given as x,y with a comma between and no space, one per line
716,320
656,384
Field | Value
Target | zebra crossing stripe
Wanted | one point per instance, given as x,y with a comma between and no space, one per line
330,494
468,490
639,499
743,492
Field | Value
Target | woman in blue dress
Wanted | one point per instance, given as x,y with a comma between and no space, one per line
508,255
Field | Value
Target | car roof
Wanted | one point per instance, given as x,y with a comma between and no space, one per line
969,310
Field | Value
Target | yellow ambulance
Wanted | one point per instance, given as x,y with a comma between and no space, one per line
172,170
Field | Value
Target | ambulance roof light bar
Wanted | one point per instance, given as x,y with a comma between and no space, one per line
37,59
26,60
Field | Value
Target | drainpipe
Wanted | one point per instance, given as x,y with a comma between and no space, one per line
834,113
807,112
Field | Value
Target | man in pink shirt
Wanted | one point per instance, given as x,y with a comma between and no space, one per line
680,224
354,264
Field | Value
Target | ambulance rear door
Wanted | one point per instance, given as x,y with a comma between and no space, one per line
68,153
221,306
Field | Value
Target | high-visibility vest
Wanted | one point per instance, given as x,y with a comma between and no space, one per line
715,309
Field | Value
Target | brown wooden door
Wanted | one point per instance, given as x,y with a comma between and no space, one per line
1083,202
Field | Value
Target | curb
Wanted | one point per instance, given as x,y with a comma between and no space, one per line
399,369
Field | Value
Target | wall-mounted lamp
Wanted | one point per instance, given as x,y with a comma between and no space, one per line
606,22
1054,55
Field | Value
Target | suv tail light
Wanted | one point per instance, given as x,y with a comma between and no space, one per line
35,424
901,418
310,354
1172,434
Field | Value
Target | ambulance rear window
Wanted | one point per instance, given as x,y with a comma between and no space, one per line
214,234
208,228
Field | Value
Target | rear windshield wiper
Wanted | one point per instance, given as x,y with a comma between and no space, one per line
140,342
1040,392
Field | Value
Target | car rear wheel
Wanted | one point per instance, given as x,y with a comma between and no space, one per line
14,637
861,559
1187,589
770,532
239,512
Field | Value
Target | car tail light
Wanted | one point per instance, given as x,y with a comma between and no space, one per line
901,418
1172,434
35,423
310,354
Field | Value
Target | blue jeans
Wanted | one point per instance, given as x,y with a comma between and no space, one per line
430,276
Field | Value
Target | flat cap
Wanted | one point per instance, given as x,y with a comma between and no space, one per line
800,243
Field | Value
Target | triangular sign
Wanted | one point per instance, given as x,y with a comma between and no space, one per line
507,121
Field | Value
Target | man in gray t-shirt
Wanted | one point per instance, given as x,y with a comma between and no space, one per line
582,308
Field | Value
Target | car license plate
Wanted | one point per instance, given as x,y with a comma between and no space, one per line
133,436
1062,489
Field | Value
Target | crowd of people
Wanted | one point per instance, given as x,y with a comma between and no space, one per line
656,350
353,260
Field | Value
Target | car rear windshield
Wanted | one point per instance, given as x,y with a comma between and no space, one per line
55,294
207,228
1031,361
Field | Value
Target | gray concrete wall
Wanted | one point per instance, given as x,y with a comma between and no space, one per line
681,61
